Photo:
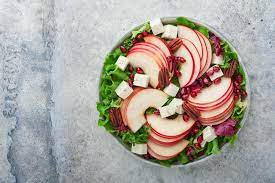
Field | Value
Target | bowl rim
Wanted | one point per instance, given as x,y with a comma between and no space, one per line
172,20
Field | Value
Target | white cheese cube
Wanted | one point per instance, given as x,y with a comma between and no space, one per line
217,59
123,90
139,149
170,32
167,111
122,62
215,75
156,26
171,90
141,80
209,134
177,102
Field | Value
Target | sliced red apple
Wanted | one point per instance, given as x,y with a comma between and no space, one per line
209,54
159,43
186,68
216,104
169,127
204,52
217,112
147,63
212,93
154,49
165,141
216,122
196,59
155,155
190,34
168,151
138,104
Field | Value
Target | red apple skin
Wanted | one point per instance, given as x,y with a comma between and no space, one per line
159,43
159,157
150,53
204,52
155,48
216,122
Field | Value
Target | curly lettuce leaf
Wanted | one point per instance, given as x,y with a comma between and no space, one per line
213,147
228,55
140,137
239,110
150,110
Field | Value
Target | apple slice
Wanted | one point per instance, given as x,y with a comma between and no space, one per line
138,104
155,155
217,103
189,34
147,63
217,112
212,93
216,122
204,53
154,49
196,59
187,68
168,151
209,54
159,43
165,141
169,127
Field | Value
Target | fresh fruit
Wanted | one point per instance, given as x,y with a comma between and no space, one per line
209,54
159,157
167,151
169,127
204,52
159,43
139,102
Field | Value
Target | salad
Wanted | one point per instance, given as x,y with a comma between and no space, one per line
172,93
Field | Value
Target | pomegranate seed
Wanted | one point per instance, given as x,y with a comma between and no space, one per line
198,124
123,49
218,51
201,153
185,96
177,73
236,84
190,158
210,72
139,36
145,33
243,93
130,68
197,145
237,91
193,94
132,76
200,81
236,97
189,150
195,130
239,78
139,70
178,95
156,112
217,81
183,91
185,117
134,41
200,139
130,82
206,81
188,90
216,69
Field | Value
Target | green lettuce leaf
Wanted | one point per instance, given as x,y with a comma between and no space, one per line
185,22
146,27
203,30
213,147
140,137
239,110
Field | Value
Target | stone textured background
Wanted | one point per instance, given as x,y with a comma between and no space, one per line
51,54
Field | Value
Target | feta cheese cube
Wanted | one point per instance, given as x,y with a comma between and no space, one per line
217,59
123,90
171,90
156,26
209,134
139,149
170,32
141,80
122,62
178,104
167,111
215,75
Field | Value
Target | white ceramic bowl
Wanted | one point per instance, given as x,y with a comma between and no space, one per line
167,20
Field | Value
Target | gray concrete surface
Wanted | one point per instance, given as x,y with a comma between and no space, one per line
51,53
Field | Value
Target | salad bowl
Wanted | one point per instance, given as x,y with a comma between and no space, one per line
124,136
